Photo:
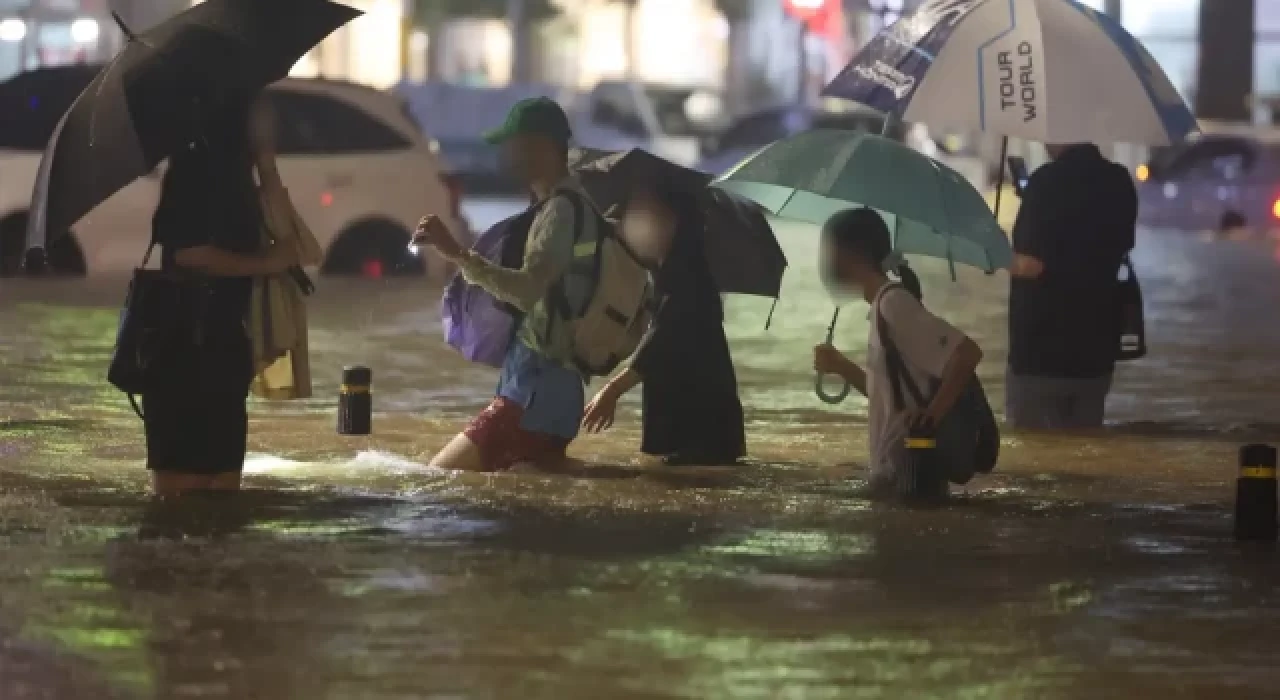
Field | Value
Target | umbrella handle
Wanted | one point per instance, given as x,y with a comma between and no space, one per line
819,386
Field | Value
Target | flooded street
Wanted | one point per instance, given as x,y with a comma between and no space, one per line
1085,567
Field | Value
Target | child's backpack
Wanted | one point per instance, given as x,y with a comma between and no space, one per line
606,297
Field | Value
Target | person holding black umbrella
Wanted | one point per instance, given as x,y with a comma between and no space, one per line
182,91
692,414
208,224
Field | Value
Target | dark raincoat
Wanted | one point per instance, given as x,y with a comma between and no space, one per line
690,400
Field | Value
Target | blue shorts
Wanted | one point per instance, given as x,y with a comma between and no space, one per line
552,395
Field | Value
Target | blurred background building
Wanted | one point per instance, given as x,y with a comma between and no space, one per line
751,52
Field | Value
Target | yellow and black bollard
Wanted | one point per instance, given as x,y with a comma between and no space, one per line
355,403
923,480
1256,494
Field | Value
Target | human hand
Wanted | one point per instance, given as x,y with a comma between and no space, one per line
599,415
1027,267
433,232
921,419
828,360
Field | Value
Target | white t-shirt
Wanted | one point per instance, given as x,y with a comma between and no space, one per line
926,344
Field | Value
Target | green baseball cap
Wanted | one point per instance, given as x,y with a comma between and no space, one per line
536,115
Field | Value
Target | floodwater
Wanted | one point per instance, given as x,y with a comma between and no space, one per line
1096,566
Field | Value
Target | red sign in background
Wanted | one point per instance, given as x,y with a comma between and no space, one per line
823,17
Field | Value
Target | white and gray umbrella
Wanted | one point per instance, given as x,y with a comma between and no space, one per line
1052,71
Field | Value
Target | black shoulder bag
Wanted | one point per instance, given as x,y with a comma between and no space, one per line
161,318
967,438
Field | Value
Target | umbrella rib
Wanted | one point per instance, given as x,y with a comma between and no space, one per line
785,202
946,212
93,113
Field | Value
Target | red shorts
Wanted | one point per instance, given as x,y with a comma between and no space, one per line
504,444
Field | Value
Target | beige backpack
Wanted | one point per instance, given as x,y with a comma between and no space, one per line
606,296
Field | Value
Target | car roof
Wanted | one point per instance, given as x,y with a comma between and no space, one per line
1260,133
62,81
85,72
386,106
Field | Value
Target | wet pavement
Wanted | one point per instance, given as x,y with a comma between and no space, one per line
1095,566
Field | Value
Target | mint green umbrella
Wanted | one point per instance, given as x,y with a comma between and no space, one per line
931,209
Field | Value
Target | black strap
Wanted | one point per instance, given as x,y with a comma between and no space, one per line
133,401
557,298
899,375
146,258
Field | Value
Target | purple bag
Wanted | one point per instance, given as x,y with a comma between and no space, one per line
474,322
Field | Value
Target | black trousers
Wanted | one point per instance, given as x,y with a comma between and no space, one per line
196,421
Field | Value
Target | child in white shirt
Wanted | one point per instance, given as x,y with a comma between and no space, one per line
857,254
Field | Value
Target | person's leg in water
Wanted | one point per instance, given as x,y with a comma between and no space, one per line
166,484
1049,403
196,441
495,441
460,454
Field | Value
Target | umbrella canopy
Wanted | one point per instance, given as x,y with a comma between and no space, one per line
141,106
1052,71
932,209
610,176
741,248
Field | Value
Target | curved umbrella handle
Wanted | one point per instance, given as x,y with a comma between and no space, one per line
819,386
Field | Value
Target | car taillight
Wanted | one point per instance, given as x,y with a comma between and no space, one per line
454,188
1275,208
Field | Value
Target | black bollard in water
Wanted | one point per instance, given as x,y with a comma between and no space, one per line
1256,493
355,403
923,480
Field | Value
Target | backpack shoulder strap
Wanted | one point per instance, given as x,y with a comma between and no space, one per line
557,299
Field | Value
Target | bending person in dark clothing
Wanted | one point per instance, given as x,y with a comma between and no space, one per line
692,414
209,223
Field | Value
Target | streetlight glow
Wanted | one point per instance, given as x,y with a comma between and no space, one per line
12,29
84,30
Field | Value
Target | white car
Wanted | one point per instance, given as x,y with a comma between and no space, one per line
358,169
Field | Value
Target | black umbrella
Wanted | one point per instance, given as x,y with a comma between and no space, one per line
609,176
141,106
741,248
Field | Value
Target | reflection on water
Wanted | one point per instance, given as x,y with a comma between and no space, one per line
1087,567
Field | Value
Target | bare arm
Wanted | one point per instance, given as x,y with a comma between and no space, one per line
1026,267
217,262
927,342
956,375
621,384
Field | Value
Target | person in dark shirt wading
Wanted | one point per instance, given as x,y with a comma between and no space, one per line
1074,229
209,225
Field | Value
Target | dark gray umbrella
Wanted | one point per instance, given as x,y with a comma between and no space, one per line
140,107
740,246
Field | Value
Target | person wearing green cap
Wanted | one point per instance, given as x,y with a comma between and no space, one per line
539,403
